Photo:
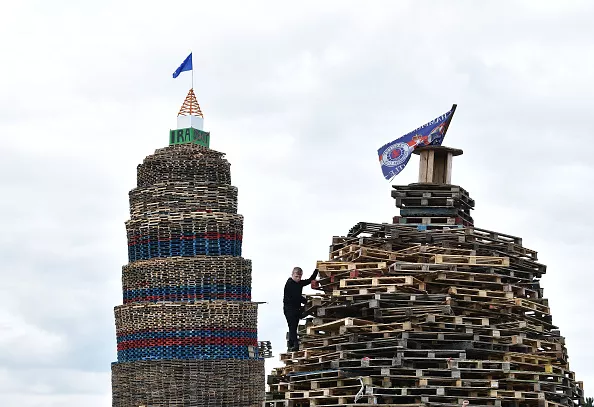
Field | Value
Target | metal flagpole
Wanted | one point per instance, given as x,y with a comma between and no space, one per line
192,61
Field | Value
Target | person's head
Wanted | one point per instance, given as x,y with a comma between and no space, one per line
297,274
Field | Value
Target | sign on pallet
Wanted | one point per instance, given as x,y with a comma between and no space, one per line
189,135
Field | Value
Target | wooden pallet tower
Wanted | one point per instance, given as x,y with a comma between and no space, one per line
187,329
428,310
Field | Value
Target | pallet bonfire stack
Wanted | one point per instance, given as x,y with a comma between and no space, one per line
187,329
427,311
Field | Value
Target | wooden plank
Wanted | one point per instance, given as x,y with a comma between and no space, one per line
439,168
423,167
430,161
448,177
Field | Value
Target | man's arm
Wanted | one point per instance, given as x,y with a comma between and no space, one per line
286,293
310,279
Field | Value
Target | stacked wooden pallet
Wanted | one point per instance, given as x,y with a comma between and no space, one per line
200,330
188,279
184,234
187,329
265,349
165,197
442,317
196,383
180,163
430,206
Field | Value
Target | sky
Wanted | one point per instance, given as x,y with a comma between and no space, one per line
299,95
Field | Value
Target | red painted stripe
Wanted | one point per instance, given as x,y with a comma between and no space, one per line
207,235
212,329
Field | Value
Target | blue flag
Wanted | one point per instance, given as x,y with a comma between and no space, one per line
185,66
394,156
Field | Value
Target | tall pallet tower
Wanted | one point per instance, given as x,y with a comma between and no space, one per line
187,329
428,311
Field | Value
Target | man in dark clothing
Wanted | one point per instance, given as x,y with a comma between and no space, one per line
292,301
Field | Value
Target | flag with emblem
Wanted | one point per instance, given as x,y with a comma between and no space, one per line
394,156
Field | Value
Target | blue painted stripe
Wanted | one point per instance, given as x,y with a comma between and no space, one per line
185,352
184,248
200,289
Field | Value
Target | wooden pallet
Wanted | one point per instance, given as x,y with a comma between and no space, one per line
490,261
476,329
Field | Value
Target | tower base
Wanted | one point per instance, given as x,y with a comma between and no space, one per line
188,383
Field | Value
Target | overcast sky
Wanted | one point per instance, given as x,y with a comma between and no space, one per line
300,96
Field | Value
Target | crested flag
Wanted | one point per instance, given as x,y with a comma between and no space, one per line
185,66
394,156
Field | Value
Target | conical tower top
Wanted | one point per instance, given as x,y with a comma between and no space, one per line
190,122
190,115
190,107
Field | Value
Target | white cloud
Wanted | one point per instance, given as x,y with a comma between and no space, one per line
23,340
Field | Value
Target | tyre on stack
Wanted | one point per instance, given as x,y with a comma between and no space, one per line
187,329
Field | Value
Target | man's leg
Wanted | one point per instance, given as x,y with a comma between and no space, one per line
293,331
288,318
292,316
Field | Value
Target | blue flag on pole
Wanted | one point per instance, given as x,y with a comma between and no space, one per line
394,156
185,66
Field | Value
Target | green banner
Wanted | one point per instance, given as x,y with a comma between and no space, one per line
189,135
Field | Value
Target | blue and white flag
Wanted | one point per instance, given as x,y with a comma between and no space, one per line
185,66
394,156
